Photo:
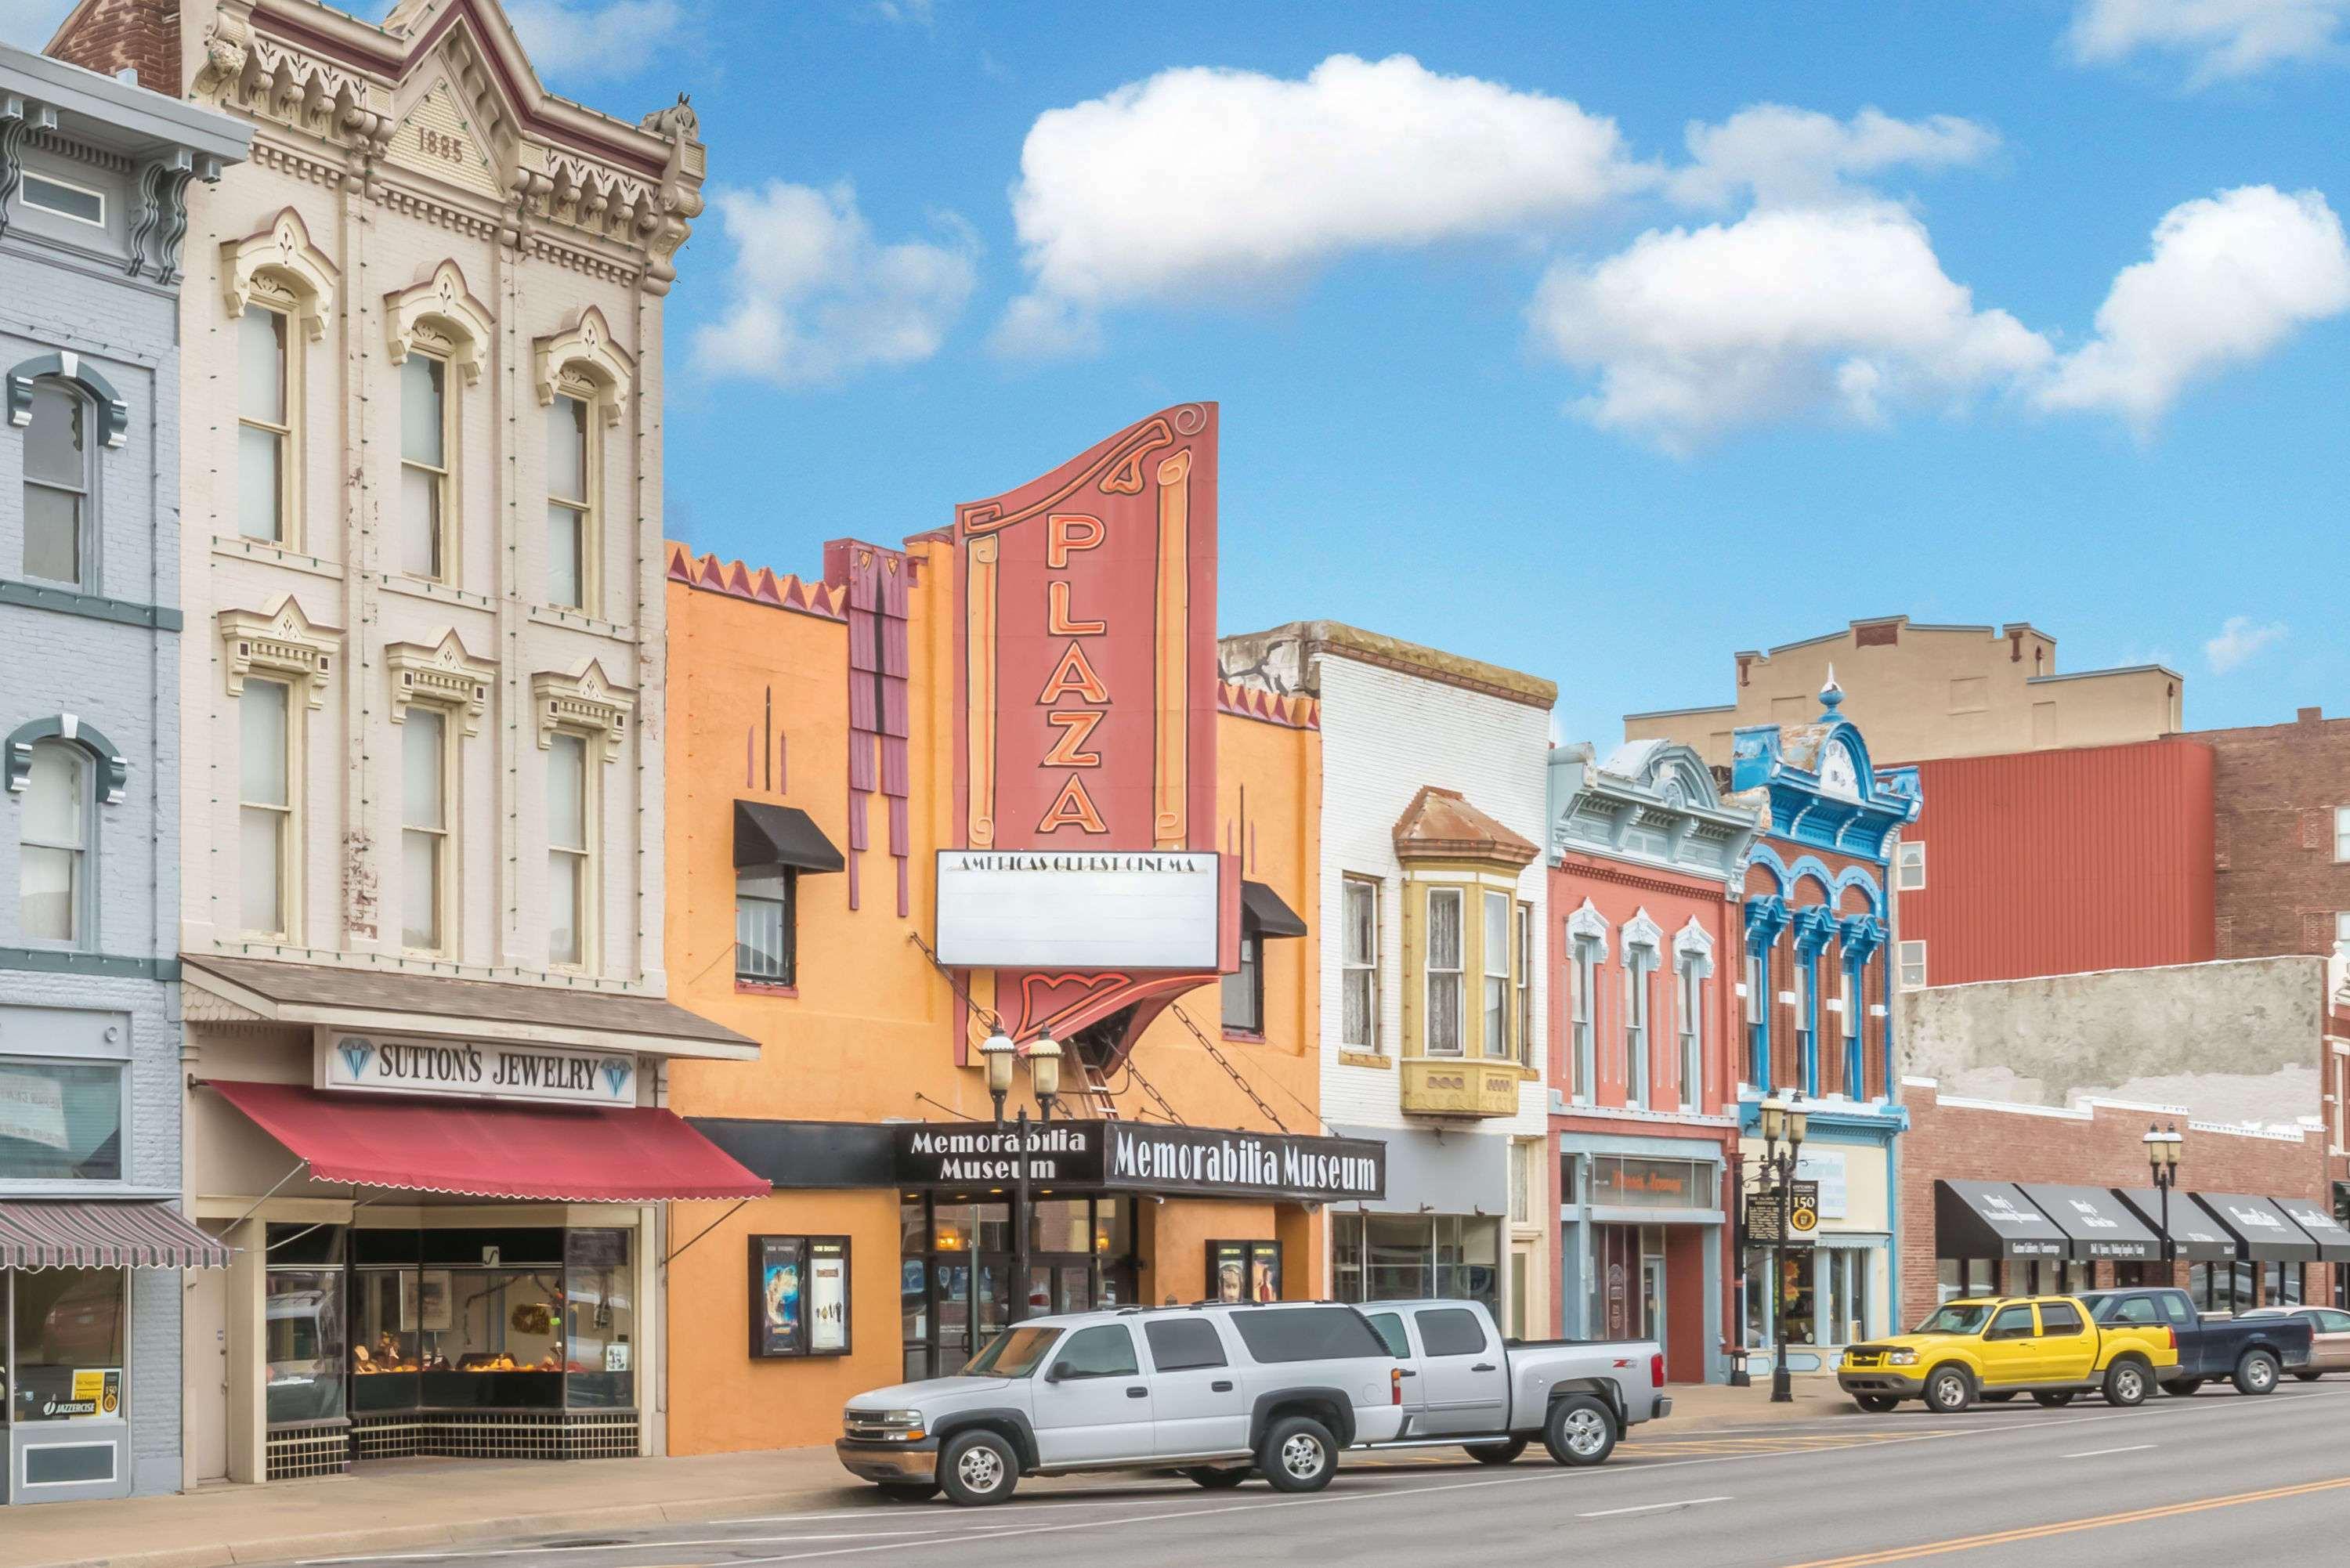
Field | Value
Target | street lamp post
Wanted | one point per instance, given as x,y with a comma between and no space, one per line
998,1053
2162,1146
1783,1125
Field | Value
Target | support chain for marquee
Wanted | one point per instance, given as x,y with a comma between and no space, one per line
1151,1089
1226,1064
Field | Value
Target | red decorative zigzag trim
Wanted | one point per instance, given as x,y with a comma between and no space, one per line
761,586
1268,707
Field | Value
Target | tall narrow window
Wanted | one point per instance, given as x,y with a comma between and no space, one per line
1689,1003
1850,999
1586,1018
56,483
763,944
1639,963
1910,867
569,861
1525,981
570,516
1358,1028
424,829
1757,1015
265,426
1445,1022
1913,966
52,877
1243,990
423,466
2342,833
1496,956
265,806
1807,1058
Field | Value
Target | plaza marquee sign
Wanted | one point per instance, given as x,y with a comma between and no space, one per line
1134,1157
374,1064
1077,909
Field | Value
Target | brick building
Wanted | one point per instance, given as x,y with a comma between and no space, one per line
2280,835
92,173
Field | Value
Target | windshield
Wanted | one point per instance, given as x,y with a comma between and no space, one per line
1016,1354
1958,1317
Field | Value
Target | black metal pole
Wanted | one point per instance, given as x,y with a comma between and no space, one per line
1782,1386
1016,1303
1739,1376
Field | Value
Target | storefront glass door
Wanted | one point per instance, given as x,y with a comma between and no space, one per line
954,1297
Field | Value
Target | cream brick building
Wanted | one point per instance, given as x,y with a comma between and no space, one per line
1432,811
1927,692
421,471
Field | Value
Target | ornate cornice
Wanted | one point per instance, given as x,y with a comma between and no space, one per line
280,266
280,641
441,673
442,317
582,701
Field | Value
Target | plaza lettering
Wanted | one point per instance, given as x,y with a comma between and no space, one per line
1073,675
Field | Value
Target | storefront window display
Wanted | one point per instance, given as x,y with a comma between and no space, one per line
1826,1291
1961,1277
60,1121
2221,1287
64,1354
955,1273
1397,1257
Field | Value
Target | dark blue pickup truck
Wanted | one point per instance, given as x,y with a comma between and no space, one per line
2252,1353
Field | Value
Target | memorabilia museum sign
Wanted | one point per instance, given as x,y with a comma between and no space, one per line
1136,1158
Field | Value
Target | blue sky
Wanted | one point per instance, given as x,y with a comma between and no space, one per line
1514,362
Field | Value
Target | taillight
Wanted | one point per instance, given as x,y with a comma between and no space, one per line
1656,1370
1395,1384
2169,1337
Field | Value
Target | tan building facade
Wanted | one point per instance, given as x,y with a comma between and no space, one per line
1927,692
422,912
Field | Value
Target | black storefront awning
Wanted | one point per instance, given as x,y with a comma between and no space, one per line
1992,1219
767,834
2311,1214
2195,1236
2098,1224
1266,912
2266,1235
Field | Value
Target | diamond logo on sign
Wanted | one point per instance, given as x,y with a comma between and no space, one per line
616,1075
356,1052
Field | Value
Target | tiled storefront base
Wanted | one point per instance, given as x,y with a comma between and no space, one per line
453,1434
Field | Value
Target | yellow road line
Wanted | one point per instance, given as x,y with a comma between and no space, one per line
2071,1526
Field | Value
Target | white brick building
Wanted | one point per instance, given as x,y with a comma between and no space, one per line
1434,992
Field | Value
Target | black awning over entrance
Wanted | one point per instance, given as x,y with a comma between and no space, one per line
768,834
2266,1235
2311,1214
1267,912
2098,1224
2195,1236
1992,1219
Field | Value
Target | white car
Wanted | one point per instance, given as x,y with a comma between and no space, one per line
1220,1392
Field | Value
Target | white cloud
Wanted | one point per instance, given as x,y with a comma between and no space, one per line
1785,156
2220,39
1198,179
586,40
2231,277
30,24
907,13
814,299
1781,313
2239,641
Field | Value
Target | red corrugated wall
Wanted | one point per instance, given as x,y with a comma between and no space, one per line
2062,861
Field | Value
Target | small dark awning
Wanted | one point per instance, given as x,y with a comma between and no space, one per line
1263,909
768,834
87,1234
2195,1236
2311,1214
1992,1219
2099,1224
2268,1237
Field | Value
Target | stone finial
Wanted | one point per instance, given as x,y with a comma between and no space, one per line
1831,695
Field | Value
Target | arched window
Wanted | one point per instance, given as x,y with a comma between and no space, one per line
58,488
53,845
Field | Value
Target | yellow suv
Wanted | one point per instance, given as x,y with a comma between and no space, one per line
2047,1346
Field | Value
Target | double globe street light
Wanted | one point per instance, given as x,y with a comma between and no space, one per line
2162,1146
1783,1123
998,1053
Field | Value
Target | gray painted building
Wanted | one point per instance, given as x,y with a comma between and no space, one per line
91,176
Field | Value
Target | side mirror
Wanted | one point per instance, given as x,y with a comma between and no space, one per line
1061,1373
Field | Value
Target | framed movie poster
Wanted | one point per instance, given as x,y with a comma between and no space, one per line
1244,1270
1264,1272
799,1296
779,1297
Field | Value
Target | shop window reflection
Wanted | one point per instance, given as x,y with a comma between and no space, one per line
67,1345
599,1322
1402,1257
304,1342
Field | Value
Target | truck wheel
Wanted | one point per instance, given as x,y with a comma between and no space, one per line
977,1468
1949,1390
2181,1387
2256,1373
1298,1454
2053,1398
1580,1431
1877,1403
1497,1453
2127,1383
909,1492
1215,1479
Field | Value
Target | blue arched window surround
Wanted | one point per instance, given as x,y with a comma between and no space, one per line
113,770
114,414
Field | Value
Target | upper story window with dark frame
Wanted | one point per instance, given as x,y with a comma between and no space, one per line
59,483
765,935
53,855
1245,990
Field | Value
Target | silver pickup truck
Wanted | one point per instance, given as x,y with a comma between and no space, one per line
1463,1384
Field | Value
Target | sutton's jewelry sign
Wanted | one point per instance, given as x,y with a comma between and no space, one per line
374,1064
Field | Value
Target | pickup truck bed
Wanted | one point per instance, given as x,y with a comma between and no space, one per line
2252,1353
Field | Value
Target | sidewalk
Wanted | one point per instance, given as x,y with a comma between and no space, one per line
422,1503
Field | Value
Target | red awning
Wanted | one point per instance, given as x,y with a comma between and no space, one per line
589,1154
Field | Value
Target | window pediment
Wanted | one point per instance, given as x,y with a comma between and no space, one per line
67,366
586,701
441,673
584,362
440,316
281,642
16,756
281,268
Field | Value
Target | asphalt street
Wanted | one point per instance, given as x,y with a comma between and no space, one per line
2214,1479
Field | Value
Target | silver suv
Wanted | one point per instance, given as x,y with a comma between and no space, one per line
1218,1392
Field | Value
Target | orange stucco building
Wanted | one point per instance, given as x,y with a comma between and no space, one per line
873,773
